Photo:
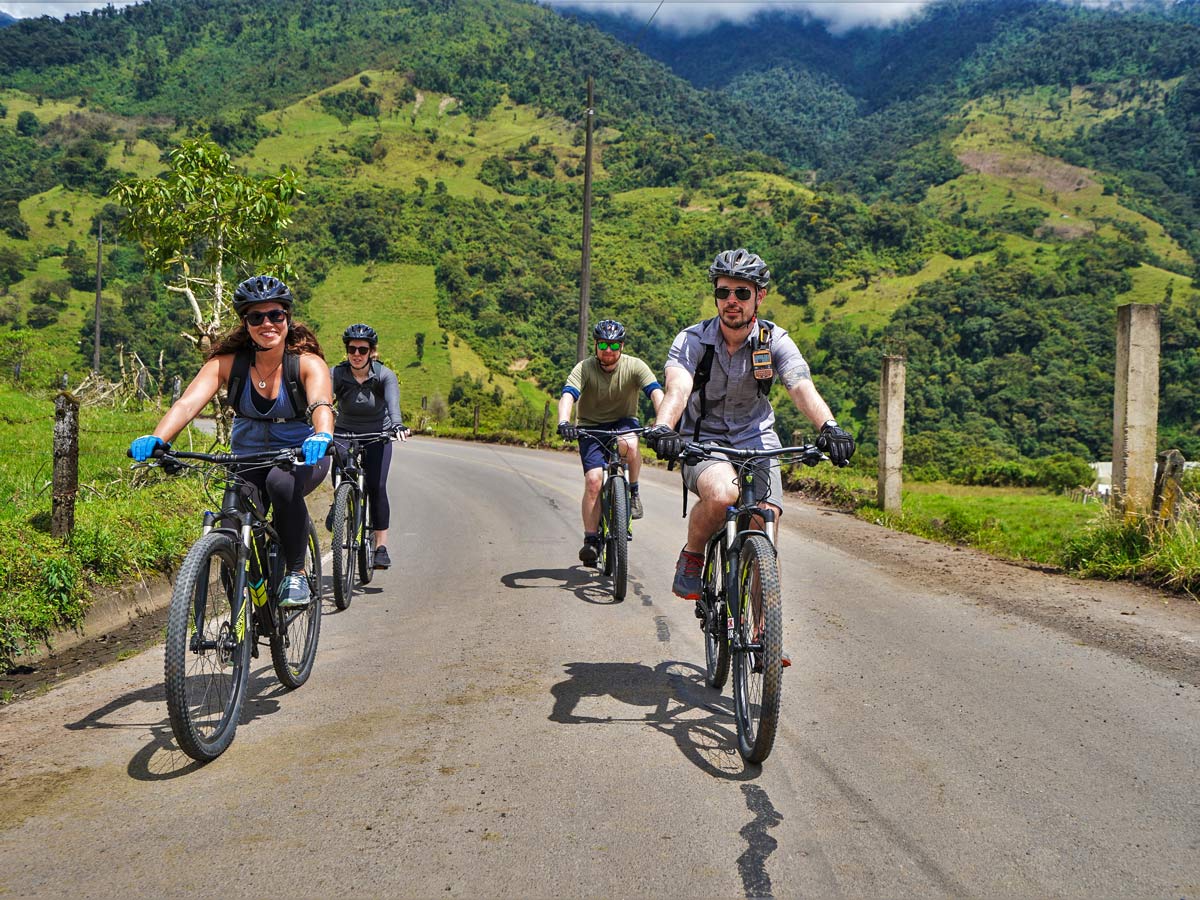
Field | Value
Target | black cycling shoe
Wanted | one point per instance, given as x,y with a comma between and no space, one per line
589,552
382,560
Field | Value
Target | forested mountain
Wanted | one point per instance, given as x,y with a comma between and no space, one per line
977,188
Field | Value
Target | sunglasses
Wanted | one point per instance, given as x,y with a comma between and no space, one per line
742,293
355,351
256,318
608,345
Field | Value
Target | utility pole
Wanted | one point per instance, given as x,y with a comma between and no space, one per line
96,343
585,269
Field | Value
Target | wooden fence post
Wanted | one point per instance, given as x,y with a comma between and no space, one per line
476,421
545,421
65,482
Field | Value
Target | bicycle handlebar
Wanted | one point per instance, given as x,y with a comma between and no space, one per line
288,455
608,432
808,454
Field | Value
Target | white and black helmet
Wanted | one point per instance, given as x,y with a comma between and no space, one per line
261,289
740,263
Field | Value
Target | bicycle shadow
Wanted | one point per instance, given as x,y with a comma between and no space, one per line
695,717
586,584
161,759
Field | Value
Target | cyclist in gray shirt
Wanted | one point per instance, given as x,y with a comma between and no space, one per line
743,355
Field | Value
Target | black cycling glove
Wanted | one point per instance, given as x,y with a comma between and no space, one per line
836,442
665,441
567,431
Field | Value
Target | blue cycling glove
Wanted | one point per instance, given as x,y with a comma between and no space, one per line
143,448
315,447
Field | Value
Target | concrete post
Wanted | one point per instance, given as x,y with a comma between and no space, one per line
891,433
1168,487
1135,408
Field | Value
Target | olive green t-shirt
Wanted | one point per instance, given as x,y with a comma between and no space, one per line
605,397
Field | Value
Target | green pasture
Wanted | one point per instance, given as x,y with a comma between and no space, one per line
1154,285
141,160
414,134
46,111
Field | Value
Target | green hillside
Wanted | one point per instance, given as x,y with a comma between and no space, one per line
441,158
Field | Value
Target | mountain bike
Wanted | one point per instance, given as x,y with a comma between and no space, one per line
740,607
614,510
353,537
225,599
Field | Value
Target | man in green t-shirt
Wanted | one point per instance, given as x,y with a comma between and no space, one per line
606,387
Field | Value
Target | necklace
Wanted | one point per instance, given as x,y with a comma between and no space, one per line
262,379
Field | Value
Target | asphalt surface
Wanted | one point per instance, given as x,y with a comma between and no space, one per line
485,721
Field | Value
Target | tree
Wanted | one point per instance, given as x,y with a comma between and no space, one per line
28,124
203,218
420,341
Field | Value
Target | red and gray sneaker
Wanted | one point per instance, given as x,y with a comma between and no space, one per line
688,570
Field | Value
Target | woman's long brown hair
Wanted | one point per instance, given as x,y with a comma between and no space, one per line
300,339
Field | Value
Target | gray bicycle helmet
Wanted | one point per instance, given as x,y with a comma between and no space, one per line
261,289
360,332
608,330
740,263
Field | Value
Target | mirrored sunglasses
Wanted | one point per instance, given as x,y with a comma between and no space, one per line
256,318
608,345
742,293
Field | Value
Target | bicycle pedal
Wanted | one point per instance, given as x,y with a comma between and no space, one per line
700,611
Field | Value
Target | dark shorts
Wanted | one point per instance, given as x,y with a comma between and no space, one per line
591,450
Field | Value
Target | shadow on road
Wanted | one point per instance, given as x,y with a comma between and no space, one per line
586,584
160,759
677,704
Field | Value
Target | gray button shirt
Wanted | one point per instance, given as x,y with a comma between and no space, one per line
738,414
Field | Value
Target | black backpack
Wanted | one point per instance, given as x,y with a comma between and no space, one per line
291,380
760,355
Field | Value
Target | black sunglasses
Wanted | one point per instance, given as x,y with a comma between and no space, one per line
355,351
256,318
742,293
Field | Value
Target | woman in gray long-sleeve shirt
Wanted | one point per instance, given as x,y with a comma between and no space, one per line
367,395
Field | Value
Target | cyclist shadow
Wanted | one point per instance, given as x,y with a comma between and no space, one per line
159,759
586,584
678,704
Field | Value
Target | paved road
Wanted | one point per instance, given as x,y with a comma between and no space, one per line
484,721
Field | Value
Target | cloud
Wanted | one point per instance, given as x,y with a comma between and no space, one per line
693,17
37,8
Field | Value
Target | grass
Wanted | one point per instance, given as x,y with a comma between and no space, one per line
428,137
124,521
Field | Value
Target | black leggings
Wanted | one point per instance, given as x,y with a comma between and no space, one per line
377,460
285,491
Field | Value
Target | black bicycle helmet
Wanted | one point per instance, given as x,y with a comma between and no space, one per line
740,263
608,330
261,289
360,332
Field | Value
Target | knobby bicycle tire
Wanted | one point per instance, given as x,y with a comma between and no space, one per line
345,554
207,655
716,637
366,553
294,645
757,676
618,535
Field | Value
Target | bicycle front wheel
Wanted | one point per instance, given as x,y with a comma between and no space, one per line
345,554
294,641
618,535
207,658
758,649
716,637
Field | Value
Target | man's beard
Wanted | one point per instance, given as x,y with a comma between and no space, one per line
737,324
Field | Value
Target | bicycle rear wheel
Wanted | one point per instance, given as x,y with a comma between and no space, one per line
716,636
207,657
617,512
345,554
294,641
758,649
366,536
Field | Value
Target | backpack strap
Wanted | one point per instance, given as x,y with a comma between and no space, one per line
291,383
700,383
237,376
